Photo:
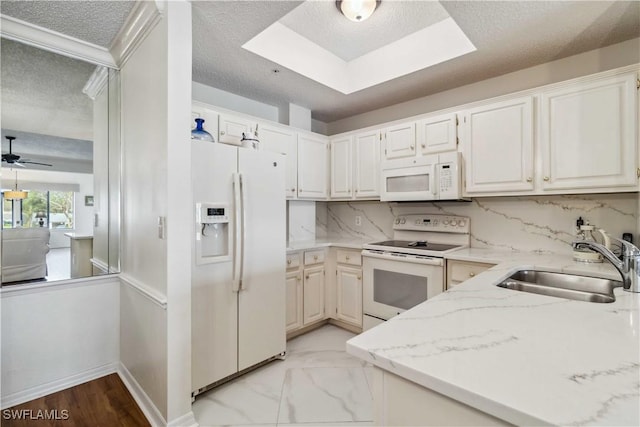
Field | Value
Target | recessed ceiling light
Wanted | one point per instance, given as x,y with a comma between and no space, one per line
357,10
275,71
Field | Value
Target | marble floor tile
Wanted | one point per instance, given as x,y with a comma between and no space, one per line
313,395
318,383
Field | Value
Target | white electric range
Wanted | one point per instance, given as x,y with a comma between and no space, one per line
401,273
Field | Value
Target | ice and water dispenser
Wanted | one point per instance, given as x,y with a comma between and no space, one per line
212,233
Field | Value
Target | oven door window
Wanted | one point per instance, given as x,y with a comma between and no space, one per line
399,290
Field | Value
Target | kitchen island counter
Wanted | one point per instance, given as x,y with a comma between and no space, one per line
520,357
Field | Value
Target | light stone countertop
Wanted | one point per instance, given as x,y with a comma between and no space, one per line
524,358
341,242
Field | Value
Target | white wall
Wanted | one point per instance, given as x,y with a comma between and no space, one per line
83,214
155,336
57,336
214,96
527,224
614,56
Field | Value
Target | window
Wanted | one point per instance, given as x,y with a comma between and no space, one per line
52,209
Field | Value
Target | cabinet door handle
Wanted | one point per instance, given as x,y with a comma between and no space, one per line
359,277
315,257
289,261
293,189
221,132
347,257
546,178
412,148
306,277
472,274
424,145
529,179
299,278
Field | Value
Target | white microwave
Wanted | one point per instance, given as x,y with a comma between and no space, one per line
424,178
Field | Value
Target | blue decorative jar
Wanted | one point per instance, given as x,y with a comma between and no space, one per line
199,132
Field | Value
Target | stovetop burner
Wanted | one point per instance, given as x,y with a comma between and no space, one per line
415,245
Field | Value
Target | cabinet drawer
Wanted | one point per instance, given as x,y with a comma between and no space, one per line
293,260
349,257
313,257
459,271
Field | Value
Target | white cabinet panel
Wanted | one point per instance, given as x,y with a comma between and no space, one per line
294,300
366,168
437,134
284,141
400,141
341,167
587,135
498,146
312,167
349,295
313,307
232,127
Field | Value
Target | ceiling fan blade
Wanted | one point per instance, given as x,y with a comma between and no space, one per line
17,164
36,163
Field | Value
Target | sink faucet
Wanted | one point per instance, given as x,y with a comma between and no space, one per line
629,267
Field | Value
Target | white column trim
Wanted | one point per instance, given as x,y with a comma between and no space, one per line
151,294
141,20
96,82
53,41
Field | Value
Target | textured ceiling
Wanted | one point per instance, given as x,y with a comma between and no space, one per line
322,23
96,22
508,35
64,154
42,92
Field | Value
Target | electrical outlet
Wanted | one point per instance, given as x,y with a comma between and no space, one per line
358,220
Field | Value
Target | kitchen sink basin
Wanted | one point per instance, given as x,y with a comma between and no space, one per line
561,285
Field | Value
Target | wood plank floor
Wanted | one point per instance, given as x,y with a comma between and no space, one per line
101,402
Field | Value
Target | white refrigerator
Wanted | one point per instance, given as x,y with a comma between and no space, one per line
238,267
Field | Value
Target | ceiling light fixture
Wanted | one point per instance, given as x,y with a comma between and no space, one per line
15,194
357,10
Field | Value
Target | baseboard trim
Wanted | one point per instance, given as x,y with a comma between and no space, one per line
187,420
57,385
146,405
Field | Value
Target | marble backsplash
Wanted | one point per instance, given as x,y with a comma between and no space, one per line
523,224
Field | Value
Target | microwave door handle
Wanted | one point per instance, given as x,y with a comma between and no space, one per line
432,180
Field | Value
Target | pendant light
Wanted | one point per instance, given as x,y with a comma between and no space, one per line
357,10
15,194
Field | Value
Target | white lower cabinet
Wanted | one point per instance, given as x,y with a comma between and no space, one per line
349,295
294,300
313,294
459,271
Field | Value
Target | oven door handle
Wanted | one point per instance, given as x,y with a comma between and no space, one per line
403,258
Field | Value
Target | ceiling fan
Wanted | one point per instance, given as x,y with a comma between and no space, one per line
14,159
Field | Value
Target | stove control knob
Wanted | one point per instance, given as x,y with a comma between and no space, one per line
402,220
461,223
435,222
397,221
418,222
445,222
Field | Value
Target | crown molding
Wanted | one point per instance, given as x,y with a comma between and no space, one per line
96,82
141,20
52,41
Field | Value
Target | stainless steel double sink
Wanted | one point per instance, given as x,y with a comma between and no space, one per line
561,285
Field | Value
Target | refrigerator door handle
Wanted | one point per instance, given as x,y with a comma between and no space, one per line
237,243
243,214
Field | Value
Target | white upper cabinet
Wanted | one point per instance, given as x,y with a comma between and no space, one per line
280,139
341,167
437,134
232,127
400,141
498,147
587,134
312,167
366,165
